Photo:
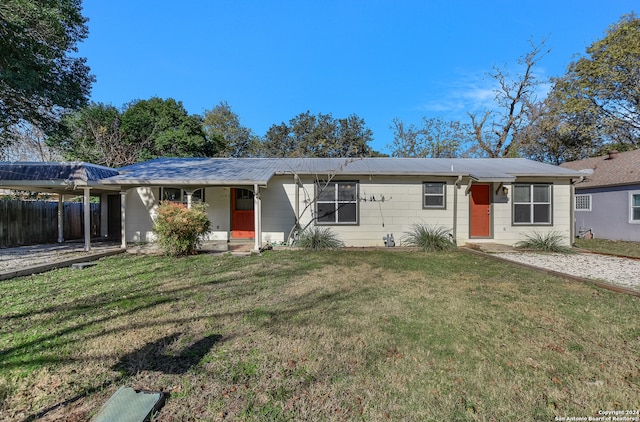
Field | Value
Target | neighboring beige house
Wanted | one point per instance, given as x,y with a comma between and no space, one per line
363,200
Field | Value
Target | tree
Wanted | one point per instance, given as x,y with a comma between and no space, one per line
142,130
39,76
29,145
498,133
222,127
436,138
308,135
599,93
163,128
93,134
556,138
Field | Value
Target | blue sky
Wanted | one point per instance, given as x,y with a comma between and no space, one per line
380,59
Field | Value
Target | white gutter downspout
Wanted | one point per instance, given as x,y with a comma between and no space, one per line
456,184
123,219
572,211
257,218
296,182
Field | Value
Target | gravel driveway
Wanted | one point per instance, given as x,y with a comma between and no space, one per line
619,271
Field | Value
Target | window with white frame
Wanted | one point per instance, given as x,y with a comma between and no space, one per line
532,204
434,195
180,195
583,202
634,207
337,202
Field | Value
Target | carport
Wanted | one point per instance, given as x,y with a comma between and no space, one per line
72,178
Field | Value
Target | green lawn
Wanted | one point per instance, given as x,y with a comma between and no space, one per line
616,247
295,335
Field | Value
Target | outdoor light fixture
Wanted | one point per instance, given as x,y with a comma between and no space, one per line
505,190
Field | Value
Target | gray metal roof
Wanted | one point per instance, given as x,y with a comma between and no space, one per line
248,171
53,176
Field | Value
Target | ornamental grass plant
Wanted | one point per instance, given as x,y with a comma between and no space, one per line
429,238
319,238
544,242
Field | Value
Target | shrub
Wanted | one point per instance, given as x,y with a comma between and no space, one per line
429,238
318,238
179,229
545,242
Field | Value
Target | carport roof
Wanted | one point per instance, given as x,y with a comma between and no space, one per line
60,177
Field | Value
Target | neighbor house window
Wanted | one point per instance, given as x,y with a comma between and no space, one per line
434,195
531,204
337,203
583,203
634,209
180,195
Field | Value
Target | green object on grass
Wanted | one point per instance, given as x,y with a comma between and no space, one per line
128,405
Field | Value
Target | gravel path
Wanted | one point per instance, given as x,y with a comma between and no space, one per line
620,271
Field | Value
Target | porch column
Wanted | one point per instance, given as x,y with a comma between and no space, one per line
87,220
257,218
123,224
189,194
60,218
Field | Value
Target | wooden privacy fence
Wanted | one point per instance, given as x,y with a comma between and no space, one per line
34,222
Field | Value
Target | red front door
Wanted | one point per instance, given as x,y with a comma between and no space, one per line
480,214
242,222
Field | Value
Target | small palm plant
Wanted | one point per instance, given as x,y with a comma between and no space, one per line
318,238
544,242
429,238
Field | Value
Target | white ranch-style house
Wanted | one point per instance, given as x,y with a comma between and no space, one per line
363,200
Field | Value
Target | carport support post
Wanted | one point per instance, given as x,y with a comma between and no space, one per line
87,220
123,214
60,218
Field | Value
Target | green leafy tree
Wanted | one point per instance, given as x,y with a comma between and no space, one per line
556,138
40,77
308,135
436,138
94,134
599,94
163,128
222,127
142,130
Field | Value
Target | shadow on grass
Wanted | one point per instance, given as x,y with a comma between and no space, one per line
152,357
158,356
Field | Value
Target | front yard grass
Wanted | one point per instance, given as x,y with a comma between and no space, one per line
336,335
616,247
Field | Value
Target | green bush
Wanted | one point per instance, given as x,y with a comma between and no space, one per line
180,229
544,242
429,238
318,238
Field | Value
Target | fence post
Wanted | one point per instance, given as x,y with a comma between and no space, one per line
60,218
